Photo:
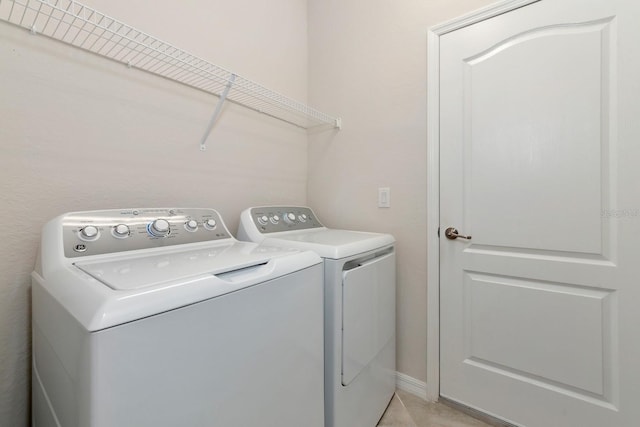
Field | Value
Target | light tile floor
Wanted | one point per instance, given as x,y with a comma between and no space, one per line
407,410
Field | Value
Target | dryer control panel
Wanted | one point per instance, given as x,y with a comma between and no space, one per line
102,232
271,219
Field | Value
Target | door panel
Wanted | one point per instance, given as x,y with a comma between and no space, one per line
368,318
520,326
533,146
538,144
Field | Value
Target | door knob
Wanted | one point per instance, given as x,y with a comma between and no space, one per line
452,234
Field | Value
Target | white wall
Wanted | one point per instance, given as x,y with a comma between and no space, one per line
80,132
367,62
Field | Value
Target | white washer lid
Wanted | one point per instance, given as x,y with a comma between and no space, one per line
118,290
144,271
330,243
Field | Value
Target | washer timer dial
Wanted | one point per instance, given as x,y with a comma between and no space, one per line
159,228
290,218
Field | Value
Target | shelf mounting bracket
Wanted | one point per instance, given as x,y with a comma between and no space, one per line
216,113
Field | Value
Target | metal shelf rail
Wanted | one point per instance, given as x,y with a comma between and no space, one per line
76,24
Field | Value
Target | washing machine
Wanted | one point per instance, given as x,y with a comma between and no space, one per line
359,298
160,318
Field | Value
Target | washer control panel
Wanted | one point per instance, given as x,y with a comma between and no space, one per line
271,219
102,232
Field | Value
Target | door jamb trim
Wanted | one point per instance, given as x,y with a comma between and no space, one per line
433,177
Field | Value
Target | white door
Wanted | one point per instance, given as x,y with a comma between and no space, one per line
540,164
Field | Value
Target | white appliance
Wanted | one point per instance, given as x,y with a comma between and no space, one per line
159,317
360,292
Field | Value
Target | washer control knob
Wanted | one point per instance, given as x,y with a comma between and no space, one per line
210,224
191,225
275,219
121,230
303,218
263,219
159,228
89,232
290,218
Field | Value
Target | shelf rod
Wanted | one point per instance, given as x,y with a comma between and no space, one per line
216,113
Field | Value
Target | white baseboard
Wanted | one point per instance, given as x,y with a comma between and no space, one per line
411,385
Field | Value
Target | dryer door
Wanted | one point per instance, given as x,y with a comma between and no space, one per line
368,311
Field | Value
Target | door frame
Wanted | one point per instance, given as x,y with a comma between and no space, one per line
433,178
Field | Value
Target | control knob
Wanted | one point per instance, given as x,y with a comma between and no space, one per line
89,232
275,219
302,218
263,219
290,218
210,224
159,228
121,231
191,225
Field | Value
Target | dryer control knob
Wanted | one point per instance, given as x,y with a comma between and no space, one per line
89,232
121,231
302,218
275,219
210,224
191,225
263,219
290,218
159,228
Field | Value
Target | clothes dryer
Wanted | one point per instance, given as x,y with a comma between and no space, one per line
360,291
160,318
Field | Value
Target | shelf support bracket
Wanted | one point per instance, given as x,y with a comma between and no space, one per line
216,113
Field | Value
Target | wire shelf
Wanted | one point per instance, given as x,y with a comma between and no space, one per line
76,24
